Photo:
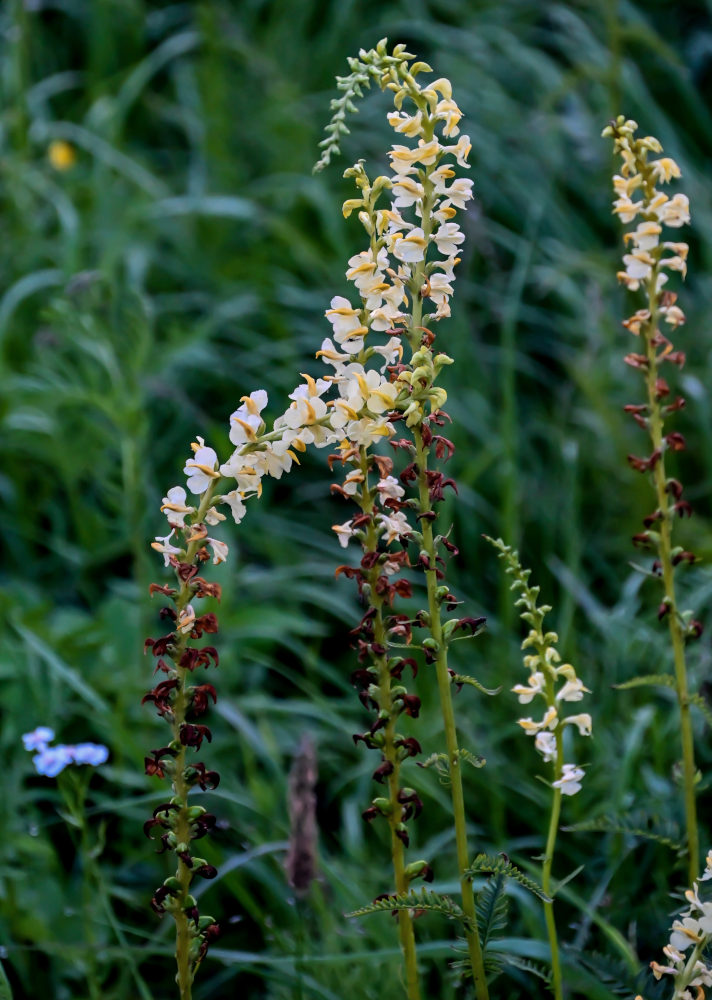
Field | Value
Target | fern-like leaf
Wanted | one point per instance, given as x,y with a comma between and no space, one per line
526,965
414,899
606,970
441,763
492,910
486,864
636,824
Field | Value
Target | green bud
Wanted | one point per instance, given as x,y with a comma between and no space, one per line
417,868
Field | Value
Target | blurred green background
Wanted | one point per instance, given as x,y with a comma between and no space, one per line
184,257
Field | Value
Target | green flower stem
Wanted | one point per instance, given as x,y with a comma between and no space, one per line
181,788
688,973
453,750
444,687
73,786
668,577
556,978
390,752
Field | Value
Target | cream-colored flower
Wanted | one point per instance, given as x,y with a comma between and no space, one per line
570,780
175,505
404,158
582,722
344,532
572,690
346,322
665,169
527,692
409,248
163,545
545,743
200,469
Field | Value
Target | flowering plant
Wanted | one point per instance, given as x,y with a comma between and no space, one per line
646,268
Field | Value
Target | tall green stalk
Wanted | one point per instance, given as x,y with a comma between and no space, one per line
389,750
441,663
677,638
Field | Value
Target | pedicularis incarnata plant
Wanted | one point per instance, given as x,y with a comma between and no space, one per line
379,408
646,268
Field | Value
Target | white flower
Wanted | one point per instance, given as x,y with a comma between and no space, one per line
459,192
665,169
237,507
626,210
686,932
407,191
330,356
163,546
674,212
526,692
174,503
570,780
246,421
390,487
220,550
391,352
545,743
274,459
242,469
368,430
213,516
582,722
348,329
461,150
625,186
200,469
645,236
448,112
344,532
572,690
550,721
403,158
186,619
409,248
410,125
395,525
448,238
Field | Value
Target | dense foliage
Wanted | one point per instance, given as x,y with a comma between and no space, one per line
166,250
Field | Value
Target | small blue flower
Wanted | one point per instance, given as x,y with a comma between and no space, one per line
38,738
51,760
90,753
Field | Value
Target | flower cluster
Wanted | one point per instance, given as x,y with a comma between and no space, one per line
550,680
686,960
653,210
51,760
